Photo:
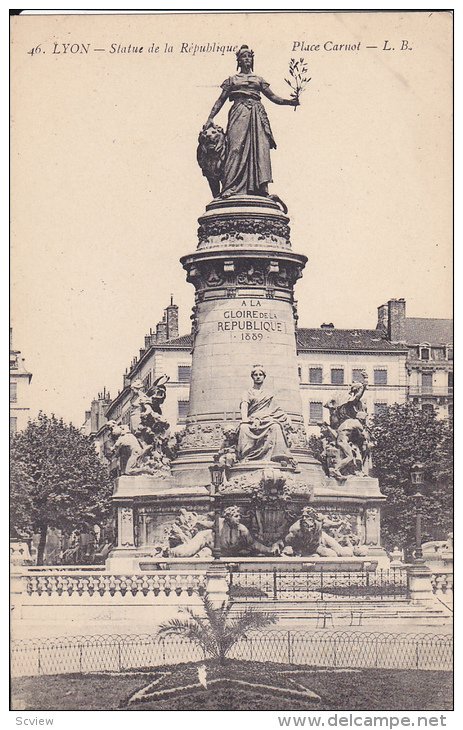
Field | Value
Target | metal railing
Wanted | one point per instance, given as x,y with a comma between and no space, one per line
293,585
442,390
120,653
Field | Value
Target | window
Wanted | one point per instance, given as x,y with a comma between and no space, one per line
13,392
357,375
337,376
450,381
380,408
183,408
184,373
315,412
449,352
299,372
427,408
424,353
147,381
315,375
13,424
426,382
380,376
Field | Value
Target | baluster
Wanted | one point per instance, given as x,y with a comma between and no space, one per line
40,585
145,587
134,583
157,587
202,584
108,583
181,584
192,583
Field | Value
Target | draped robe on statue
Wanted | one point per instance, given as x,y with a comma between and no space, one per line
249,137
267,440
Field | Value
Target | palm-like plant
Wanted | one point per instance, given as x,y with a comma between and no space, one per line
216,632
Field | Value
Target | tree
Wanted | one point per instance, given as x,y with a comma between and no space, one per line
216,633
57,480
405,435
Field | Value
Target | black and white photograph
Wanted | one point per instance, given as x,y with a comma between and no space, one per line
231,363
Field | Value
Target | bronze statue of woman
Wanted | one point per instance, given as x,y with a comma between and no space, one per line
247,167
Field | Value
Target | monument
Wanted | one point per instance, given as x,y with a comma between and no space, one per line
245,414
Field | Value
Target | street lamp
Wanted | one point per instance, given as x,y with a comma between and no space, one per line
417,477
216,480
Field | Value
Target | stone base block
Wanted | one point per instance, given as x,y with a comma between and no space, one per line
147,485
353,487
419,584
127,561
217,584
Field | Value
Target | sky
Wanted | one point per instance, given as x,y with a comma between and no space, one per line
106,191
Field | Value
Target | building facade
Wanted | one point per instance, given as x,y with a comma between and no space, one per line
403,359
20,379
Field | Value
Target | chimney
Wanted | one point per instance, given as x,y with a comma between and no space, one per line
94,417
161,332
147,341
396,320
383,318
172,319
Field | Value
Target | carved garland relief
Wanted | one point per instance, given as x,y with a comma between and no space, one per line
235,229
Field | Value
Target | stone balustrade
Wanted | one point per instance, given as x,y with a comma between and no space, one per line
91,583
442,582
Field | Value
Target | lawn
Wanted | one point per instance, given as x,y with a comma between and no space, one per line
161,689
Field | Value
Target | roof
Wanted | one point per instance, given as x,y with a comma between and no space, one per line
321,339
338,339
433,331
183,341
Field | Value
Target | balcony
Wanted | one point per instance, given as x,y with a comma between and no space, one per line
430,390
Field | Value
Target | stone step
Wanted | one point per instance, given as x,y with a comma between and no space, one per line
350,610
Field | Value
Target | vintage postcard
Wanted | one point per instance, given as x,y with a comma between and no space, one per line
231,361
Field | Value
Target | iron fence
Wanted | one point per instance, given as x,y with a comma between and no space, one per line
120,653
292,585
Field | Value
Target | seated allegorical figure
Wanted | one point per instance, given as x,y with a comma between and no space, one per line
263,433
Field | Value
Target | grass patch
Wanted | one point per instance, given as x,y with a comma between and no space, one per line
366,689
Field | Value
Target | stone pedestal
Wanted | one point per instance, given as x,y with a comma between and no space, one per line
146,506
244,273
216,584
419,584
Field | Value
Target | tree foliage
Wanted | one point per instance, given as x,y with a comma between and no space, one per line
57,479
216,633
405,435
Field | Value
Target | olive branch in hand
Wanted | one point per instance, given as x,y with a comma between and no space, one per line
298,71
